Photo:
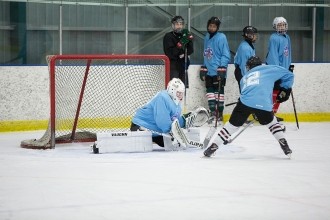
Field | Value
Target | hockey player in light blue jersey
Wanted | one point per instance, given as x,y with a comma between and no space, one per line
279,52
256,98
279,45
244,51
214,71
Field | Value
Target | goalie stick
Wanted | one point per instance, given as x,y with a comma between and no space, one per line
179,134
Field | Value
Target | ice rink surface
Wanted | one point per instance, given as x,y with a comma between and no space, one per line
249,179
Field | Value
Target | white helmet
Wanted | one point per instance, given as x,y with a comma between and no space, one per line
176,89
280,25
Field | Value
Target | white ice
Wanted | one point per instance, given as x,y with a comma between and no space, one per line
249,179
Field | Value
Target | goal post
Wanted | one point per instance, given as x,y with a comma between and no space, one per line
98,93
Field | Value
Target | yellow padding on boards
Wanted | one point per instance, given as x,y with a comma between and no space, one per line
30,125
125,122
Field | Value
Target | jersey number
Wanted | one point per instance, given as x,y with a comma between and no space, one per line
251,79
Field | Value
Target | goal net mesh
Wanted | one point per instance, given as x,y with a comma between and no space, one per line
100,93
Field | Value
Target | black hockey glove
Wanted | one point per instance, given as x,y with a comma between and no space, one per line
222,72
291,67
283,95
202,73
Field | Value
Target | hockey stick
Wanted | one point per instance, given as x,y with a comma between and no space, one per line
210,134
182,135
229,104
294,109
240,132
218,104
185,77
291,68
212,130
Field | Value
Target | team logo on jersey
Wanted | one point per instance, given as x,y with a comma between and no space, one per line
208,53
286,51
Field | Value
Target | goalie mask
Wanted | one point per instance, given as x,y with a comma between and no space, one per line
177,24
253,62
176,89
280,25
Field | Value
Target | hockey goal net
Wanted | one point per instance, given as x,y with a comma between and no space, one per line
98,93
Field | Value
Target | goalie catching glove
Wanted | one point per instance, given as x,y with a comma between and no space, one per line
196,118
283,95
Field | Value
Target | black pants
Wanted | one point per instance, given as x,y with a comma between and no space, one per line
157,139
241,113
177,70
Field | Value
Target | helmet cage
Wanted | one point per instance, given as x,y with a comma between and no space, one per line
280,25
176,89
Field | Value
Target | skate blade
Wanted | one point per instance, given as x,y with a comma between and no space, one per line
205,157
208,157
289,156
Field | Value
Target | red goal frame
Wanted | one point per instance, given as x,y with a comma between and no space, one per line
89,59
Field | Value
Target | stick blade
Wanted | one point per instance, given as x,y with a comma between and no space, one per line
208,136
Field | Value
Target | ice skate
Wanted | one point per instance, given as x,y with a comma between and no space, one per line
210,150
285,147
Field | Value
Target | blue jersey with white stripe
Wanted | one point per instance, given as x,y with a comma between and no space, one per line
159,113
258,83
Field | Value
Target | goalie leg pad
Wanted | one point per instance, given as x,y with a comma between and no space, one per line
171,144
178,133
128,142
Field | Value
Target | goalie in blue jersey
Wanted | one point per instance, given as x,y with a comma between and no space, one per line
163,114
256,98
